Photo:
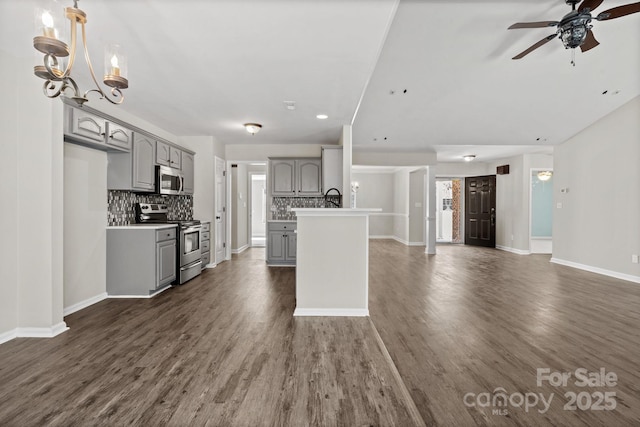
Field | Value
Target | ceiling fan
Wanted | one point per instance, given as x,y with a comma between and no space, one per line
574,28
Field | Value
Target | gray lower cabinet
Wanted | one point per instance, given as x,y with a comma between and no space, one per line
140,260
282,241
205,243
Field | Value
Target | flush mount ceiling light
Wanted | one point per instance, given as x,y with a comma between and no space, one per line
469,157
322,116
51,42
253,128
545,175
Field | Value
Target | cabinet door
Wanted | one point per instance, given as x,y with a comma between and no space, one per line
165,262
292,245
283,177
276,249
175,158
143,177
119,136
86,126
163,153
309,177
187,172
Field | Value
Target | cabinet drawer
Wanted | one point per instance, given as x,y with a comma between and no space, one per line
282,226
205,258
206,226
205,246
204,236
165,234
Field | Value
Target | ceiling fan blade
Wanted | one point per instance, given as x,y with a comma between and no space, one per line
590,4
619,11
540,24
535,46
589,43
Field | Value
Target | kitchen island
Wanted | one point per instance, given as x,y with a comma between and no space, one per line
332,273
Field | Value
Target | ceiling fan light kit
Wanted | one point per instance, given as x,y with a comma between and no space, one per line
59,57
574,28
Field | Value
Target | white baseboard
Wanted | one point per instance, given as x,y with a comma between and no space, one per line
598,270
42,332
33,332
211,265
332,312
240,250
83,304
397,239
381,237
8,336
513,250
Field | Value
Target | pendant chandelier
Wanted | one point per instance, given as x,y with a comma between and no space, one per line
59,57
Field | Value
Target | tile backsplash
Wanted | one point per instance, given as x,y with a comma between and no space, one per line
280,206
121,206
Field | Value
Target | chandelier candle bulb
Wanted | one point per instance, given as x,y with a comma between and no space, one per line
47,22
115,70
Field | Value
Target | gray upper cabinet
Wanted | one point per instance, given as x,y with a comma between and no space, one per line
283,177
143,164
119,136
163,154
175,158
84,126
187,172
296,177
332,168
309,173
134,170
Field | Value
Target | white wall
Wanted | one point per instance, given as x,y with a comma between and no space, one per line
598,225
459,169
85,222
513,200
239,207
417,213
259,152
376,191
418,159
32,189
401,205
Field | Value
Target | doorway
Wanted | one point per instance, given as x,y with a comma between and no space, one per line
480,211
449,212
220,211
258,209
541,215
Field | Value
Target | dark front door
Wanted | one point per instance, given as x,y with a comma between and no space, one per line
480,211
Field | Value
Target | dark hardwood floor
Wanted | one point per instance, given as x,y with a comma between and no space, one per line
224,349
453,328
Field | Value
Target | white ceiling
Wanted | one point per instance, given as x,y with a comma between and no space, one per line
207,67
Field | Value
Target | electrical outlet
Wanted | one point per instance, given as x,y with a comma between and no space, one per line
559,205
634,258
288,208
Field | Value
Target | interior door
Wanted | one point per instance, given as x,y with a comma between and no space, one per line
480,211
220,211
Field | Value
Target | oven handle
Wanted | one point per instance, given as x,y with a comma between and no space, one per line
191,229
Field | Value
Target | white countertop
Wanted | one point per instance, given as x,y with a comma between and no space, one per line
334,211
141,226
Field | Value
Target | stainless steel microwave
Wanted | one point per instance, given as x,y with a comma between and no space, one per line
169,180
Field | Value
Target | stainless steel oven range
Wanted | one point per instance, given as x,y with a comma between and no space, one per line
189,251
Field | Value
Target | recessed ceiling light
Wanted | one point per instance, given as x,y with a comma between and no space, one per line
322,116
469,157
